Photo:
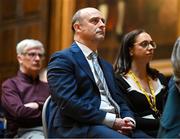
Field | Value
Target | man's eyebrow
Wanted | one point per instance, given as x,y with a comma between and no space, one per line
94,18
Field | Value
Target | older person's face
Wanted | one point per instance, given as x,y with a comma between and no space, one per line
31,61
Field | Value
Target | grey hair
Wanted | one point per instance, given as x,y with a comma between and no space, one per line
175,59
28,43
76,18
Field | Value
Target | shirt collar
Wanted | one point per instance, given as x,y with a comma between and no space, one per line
25,77
86,51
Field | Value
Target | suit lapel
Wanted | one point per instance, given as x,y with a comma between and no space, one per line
80,58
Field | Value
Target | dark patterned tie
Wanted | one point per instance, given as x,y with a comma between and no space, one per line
101,82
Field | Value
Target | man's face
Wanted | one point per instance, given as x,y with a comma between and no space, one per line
92,25
31,60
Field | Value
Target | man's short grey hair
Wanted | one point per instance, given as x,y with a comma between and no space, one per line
28,43
75,18
175,59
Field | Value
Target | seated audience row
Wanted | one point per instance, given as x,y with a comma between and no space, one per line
86,102
87,98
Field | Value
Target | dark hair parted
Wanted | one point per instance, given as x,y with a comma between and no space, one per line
124,60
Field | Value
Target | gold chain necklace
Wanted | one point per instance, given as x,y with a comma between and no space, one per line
150,96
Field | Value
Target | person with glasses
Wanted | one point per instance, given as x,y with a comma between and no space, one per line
23,96
170,123
144,87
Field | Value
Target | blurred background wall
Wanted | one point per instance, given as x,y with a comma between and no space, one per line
50,22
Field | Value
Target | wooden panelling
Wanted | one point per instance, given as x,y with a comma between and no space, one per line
8,9
8,52
31,6
60,26
20,19
32,30
164,66
86,3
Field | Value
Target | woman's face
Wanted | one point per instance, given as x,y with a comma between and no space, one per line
143,48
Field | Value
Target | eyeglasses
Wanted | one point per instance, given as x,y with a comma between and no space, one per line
33,55
146,44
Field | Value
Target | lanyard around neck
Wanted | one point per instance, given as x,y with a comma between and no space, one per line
150,96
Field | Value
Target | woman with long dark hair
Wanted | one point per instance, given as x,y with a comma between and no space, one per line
144,87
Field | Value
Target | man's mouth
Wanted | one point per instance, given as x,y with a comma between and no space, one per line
100,32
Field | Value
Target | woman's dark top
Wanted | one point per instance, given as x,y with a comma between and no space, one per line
146,119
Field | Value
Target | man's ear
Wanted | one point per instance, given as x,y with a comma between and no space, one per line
19,58
77,27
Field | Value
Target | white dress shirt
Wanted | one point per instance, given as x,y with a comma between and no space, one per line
105,104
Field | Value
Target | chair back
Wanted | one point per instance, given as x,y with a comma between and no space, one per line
45,116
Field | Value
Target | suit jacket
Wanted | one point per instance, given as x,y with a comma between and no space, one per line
170,120
75,95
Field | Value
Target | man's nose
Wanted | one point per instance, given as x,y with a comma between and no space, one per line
150,46
37,57
101,22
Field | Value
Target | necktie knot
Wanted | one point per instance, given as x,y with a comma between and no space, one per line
93,55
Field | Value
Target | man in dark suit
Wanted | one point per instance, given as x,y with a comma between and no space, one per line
85,99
